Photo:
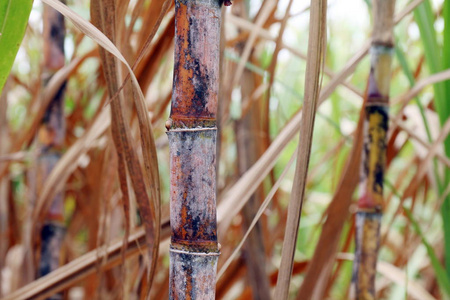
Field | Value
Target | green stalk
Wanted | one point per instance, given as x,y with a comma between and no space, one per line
51,137
192,133
370,204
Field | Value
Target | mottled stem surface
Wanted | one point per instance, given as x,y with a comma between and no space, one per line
192,136
373,162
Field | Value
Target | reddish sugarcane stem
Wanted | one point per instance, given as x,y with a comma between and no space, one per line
51,137
367,245
192,138
370,204
196,70
375,130
52,130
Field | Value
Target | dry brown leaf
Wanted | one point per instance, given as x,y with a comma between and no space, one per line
338,210
103,14
68,163
83,266
268,7
258,215
394,274
314,64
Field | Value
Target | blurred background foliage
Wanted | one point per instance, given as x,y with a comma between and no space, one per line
94,217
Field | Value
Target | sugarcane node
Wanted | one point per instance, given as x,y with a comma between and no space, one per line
386,44
377,100
168,124
370,210
191,123
194,245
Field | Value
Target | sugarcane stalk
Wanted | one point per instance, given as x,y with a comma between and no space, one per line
192,135
249,145
254,254
370,203
50,140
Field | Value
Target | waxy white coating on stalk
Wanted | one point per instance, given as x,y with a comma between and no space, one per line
373,163
192,141
367,238
193,188
193,275
194,250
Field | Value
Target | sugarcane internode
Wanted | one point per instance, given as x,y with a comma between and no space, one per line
52,235
375,130
192,136
373,163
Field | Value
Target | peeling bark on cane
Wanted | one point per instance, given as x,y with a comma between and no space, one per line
192,136
370,204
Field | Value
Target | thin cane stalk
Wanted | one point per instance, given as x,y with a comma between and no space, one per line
50,141
370,204
249,147
192,141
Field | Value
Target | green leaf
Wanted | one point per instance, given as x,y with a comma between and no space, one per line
446,64
409,75
441,275
13,22
424,17
437,62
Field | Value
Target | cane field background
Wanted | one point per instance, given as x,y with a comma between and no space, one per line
263,63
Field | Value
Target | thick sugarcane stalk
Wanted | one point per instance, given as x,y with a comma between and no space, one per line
370,204
50,141
192,141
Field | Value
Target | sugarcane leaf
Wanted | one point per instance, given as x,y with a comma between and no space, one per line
444,115
408,73
146,185
446,65
337,214
441,275
14,16
121,141
437,61
258,215
314,66
424,17
446,45
145,188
